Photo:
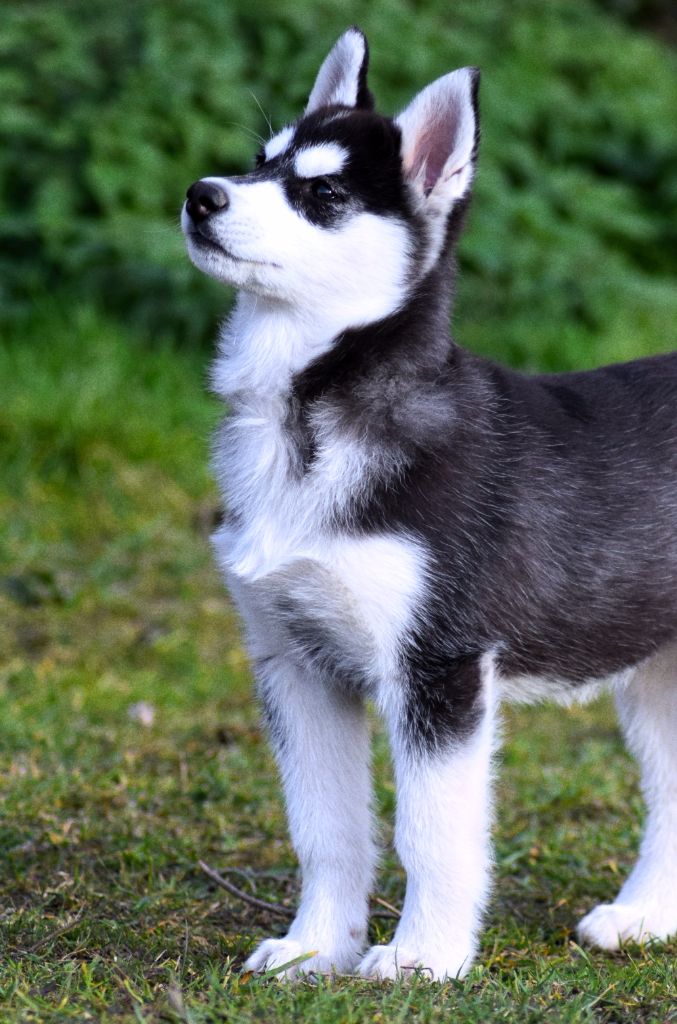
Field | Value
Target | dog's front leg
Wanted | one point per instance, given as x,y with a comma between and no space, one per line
443,778
321,740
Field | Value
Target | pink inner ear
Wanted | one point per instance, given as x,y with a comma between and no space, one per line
434,147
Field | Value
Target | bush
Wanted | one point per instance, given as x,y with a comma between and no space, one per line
113,110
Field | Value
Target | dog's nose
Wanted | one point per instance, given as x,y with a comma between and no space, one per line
204,197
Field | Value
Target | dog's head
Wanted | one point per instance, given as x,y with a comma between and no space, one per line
346,209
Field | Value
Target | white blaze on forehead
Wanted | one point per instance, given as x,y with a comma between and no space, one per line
279,143
327,158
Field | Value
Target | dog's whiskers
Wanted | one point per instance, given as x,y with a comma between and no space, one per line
265,116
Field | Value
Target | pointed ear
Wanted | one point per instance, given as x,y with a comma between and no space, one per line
342,79
439,138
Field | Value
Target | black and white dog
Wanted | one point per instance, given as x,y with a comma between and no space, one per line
412,525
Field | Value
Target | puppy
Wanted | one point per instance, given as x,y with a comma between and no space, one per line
411,525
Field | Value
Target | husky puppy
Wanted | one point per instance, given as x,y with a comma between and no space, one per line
415,526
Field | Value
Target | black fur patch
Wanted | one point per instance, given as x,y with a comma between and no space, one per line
445,700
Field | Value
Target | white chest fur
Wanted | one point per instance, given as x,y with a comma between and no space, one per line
363,593
283,541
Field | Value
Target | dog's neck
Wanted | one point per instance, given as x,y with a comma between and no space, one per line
262,345
271,351
412,343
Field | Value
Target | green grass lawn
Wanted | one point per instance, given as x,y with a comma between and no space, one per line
108,597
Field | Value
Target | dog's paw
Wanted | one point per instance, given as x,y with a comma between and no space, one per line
273,953
394,961
610,924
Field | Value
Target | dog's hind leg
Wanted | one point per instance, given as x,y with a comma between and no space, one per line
321,739
646,906
442,834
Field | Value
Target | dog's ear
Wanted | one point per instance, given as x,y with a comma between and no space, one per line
439,138
342,79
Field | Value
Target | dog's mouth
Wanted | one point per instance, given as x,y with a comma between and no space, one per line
207,244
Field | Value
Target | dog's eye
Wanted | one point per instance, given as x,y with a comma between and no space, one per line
322,189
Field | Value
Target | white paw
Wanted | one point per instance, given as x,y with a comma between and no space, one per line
274,953
393,961
610,924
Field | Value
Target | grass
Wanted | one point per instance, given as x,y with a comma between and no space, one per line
108,598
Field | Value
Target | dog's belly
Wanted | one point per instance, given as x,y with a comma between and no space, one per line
344,604
531,689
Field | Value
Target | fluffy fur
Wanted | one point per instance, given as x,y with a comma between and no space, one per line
411,525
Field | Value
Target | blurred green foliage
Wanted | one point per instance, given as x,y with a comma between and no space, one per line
109,110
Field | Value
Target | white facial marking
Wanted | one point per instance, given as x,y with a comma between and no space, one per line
279,142
329,158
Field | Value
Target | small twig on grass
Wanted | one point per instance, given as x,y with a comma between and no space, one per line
254,901
247,875
391,912
57,933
